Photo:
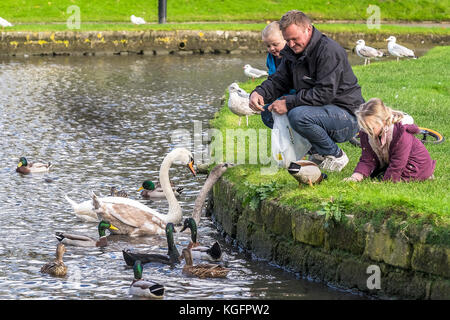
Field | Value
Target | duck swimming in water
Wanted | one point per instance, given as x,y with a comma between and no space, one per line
26,167
57,266
85,241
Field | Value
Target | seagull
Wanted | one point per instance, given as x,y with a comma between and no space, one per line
137,20
366,52
253,72
398,50
4,23
238,102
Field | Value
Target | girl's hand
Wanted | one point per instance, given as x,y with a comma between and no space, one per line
356,177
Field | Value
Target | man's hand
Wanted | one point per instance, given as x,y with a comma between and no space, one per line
279,106
256,102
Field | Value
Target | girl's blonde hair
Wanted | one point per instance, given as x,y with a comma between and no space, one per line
380,113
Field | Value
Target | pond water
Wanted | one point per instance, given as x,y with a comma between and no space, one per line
102,122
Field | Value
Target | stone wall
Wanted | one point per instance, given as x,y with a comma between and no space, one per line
120,42
339,255
171,42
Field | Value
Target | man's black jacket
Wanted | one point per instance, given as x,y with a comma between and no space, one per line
321,75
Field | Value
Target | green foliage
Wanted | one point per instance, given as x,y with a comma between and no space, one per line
225,10
384,32
334,211
256,193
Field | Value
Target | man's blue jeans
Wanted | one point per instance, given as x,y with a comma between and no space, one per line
322,126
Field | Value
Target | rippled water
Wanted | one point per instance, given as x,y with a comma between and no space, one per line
106,121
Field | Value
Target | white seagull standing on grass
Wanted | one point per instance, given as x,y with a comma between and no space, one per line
238,102
398,50
5,23
366,52
137,20
253,72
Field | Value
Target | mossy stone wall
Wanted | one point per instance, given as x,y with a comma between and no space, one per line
339,254
181,42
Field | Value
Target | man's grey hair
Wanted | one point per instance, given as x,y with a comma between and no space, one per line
294,17
270,29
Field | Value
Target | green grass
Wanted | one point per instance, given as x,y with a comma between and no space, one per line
385,30
420,87
226,10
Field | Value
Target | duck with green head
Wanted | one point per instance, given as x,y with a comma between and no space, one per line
171,258
85,241
26,167
142,287
152,191
213,253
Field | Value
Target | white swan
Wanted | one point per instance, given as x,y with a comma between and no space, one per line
133,218
86,211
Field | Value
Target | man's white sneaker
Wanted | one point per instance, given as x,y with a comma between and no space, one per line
331,163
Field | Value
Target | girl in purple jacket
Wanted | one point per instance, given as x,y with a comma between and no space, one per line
390,151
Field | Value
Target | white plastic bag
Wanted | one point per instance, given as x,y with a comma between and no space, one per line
287,144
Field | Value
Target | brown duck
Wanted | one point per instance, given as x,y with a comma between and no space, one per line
57,266
204,270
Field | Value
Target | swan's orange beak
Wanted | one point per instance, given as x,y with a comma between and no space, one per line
191,167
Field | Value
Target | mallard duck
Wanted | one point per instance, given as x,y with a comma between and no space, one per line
152,191
213,253
171,258
25,168
144,288
306,172
57,266
202,270
118,193
128,215
85,241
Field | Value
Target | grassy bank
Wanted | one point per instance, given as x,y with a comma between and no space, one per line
257,27
419,87
41,11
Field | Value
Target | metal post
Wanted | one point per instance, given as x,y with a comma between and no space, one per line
162,11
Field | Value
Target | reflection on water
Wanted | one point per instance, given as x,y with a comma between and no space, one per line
106,121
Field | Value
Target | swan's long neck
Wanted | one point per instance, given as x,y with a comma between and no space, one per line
175,214
214,175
